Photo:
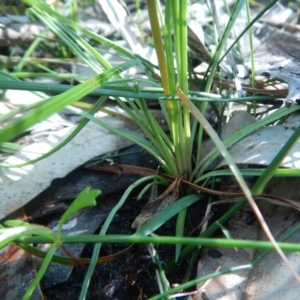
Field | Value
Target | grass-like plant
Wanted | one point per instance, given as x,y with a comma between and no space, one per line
177,151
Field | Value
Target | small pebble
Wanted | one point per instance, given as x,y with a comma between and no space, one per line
214,253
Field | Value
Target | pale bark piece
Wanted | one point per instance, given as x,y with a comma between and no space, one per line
20,185
270,278
261,147
238,121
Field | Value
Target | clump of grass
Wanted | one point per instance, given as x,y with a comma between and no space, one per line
177,151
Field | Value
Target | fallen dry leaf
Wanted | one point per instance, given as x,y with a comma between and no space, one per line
152,208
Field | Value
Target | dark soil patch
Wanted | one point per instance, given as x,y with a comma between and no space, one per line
131,275
126,277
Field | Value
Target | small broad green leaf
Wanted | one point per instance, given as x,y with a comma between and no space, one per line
85,199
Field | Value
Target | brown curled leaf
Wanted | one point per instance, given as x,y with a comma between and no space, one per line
152,208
